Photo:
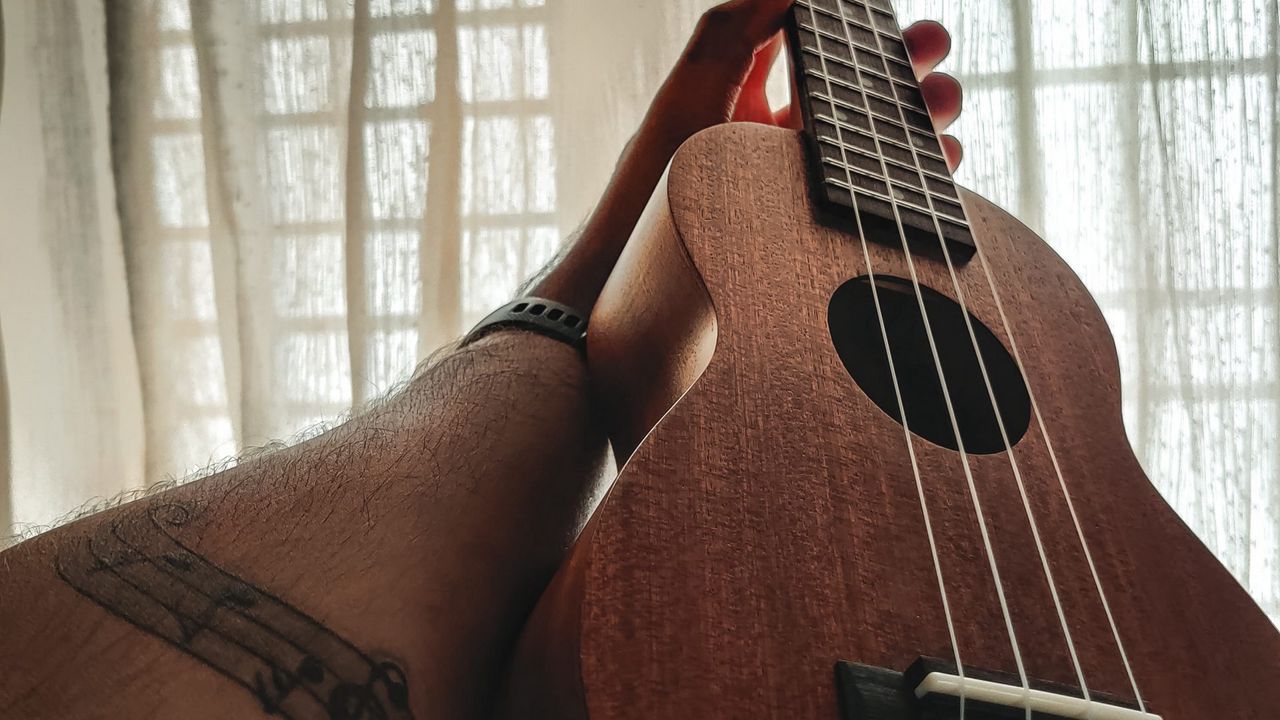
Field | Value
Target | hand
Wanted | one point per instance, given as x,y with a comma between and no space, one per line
722,74
720,78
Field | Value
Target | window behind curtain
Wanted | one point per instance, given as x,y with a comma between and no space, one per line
505,197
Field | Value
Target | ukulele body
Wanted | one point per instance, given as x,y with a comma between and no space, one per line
768,523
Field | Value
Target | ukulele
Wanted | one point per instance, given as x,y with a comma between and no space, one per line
874,465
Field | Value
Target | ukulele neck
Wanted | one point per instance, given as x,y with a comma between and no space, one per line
874,149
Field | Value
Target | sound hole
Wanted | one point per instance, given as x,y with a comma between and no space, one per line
855,330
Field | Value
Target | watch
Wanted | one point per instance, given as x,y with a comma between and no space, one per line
538,315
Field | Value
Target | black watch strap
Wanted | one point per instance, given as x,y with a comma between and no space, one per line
539,315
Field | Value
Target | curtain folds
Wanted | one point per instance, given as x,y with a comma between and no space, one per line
75,413
232,221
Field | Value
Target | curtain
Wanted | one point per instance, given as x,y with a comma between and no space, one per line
226,223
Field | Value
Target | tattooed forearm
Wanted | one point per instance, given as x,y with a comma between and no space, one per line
304,583
136,568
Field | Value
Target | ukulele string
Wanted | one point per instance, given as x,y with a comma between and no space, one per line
995,407
893,375
933,346
990,280
1009,450
1075,519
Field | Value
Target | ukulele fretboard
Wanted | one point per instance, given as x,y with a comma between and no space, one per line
875,147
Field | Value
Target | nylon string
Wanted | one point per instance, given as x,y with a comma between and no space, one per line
892,369
893,374
995,408
1075,519
933,349
1003,432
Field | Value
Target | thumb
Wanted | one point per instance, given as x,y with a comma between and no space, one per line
753,100
704,86
730,33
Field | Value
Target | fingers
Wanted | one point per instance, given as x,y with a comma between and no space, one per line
764,17
731,32
952,149
928,42
789,117
944,98
762,63
753,103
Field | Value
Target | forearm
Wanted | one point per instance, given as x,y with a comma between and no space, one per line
419,533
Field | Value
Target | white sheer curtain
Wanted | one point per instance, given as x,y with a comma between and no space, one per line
209,246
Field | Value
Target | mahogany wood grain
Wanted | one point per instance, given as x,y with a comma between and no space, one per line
769,524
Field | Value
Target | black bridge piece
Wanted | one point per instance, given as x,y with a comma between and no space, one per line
873,693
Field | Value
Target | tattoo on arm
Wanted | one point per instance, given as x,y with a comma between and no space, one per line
297,668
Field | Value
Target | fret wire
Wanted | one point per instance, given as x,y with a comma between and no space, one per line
880,106
880,86
873,31
863,157
862,16
850,4
906,195
845,123
911,218
834,78
884,21
946,188
878,76
1017,655
902,192
862,111
860,162
957,223
856,104
895,153
869,29
926,174
820,26
825,77
863,135
891,98
838,164
915,140
947,208
876,195
913,91
904,73
913,145
887,108
868,155
840,81
891,29
856,45
886,101
897,148
868,93
934,151
909,193
884,57
866,182
862,9
853,67
867,24
878,4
